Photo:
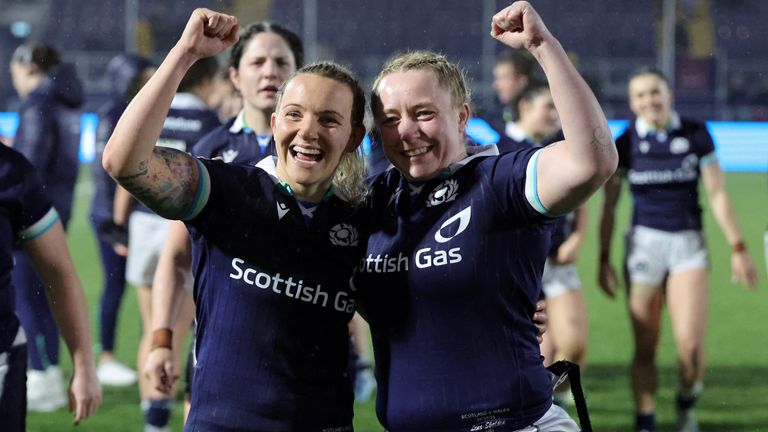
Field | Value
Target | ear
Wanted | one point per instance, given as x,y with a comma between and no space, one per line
464,113
234,77
358,133
272,121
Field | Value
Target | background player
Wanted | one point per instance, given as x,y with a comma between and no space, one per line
28,220
663,156
49,137
126,73
189,119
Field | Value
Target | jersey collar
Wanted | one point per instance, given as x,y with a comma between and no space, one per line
472,153
239,123
269,165
643,128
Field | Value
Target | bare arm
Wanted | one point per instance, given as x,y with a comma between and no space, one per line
164,179
168,294
742,268
53,263
607,276
569,171
568,252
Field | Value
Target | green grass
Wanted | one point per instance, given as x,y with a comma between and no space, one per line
736,388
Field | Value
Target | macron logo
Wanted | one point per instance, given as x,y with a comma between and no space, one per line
282,210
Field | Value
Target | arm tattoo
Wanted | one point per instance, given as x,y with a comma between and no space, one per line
601,138
166,183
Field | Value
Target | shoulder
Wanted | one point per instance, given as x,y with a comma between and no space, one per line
216,138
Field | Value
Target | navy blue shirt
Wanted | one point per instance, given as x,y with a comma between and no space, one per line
188,121
49,134
25,213
235,143
449,284
273,302
663,170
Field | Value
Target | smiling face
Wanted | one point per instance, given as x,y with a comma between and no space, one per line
266,62
650,99
422,130
312,129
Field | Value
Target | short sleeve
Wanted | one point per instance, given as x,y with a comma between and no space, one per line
704,146
32,213
514,180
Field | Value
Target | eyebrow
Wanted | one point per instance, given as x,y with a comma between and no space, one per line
323,112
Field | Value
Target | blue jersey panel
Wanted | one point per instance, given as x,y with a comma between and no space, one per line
663,171
273,302
449,284
23,203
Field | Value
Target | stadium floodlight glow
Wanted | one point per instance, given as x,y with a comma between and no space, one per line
20,29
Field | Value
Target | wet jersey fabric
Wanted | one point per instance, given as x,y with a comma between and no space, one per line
663,170
273,301
25,213
449,284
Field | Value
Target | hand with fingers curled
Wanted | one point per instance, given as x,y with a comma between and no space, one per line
159,368
540,319
519,26
208,33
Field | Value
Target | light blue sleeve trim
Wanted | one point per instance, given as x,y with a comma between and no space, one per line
708,159
41,226
202,194
531,185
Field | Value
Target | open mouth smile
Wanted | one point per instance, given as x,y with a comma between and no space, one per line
416,152
306,153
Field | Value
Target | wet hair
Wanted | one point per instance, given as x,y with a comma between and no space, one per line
349,178
246,34
449,75
43,56
522,61
531,91
649,70
201,70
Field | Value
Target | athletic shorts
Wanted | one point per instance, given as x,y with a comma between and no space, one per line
559,278
555,419
146,235
653,254
13,385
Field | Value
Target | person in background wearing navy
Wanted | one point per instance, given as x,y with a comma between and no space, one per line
538,124
513,70
189,119
663,156
126,74
29,221
263,57
460,235
49,137
274,245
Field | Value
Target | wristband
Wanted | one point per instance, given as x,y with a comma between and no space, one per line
161,338
739,246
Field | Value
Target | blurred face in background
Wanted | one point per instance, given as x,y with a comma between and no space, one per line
422,129
25,78
507,82
538,115
266,62
650,99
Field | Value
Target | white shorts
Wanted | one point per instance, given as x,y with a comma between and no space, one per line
146,235
559,278
555,419
653,254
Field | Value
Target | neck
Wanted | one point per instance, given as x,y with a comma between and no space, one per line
310,193
257,120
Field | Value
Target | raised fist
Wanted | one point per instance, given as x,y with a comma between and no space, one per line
208,33
519,26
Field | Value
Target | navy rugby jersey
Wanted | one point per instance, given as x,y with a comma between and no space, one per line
235,143
449,284
25,213
663,170
188,121
273,301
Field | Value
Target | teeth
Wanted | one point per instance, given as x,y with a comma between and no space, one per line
307,150
416,152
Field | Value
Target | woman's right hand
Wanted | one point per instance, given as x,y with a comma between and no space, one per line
208,33
607,279
160,370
